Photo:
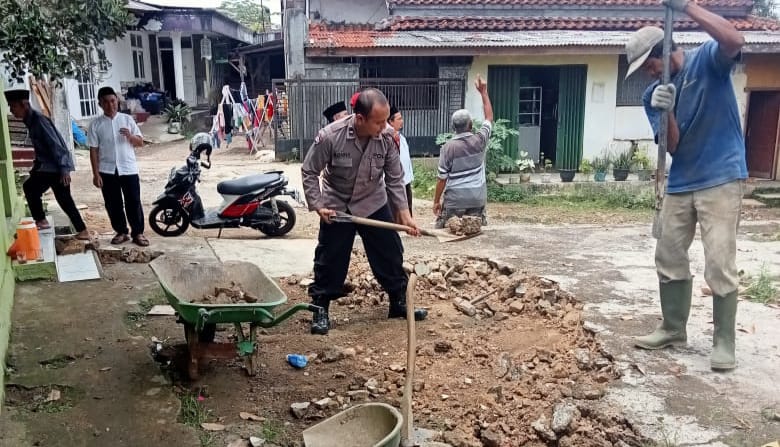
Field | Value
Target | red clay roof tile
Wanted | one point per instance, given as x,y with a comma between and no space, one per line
749,23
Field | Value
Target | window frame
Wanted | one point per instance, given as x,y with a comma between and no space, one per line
629,91
137,48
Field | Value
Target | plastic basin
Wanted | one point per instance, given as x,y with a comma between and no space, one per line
366,425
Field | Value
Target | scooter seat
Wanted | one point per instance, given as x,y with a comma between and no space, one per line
247,184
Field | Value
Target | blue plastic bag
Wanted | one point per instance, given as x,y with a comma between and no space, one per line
297,360
78,135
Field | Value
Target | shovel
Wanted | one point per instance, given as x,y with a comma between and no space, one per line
442,236
660,173
407,430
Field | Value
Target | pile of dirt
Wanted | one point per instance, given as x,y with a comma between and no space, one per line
518,369
464,226
232,294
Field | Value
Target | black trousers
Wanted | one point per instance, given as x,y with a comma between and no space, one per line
122,194
334,249
39,183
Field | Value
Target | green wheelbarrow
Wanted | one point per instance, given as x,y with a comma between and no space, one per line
186,282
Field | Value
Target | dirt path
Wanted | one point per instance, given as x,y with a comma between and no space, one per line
65,336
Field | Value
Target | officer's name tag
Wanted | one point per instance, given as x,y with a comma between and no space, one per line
342,159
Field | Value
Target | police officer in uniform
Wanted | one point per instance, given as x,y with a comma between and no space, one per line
361,175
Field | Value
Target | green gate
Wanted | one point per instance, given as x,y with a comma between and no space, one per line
504,84
571,115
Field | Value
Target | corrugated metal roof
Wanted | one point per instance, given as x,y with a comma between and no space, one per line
517,39
138,6
483,3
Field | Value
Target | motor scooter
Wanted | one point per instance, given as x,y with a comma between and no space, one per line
249,201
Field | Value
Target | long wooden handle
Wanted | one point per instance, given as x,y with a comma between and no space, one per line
378,223
407,430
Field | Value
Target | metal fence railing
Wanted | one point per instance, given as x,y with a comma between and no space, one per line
427,105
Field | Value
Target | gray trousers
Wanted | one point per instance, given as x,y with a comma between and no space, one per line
717,210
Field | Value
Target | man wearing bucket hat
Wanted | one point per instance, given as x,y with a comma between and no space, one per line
706,178
52,167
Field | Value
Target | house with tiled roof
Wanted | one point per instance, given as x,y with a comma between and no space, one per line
555,68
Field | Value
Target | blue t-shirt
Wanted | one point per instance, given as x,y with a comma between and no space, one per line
711,150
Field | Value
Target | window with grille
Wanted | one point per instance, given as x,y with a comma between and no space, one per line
102,60
630,91
412,96
137,44
87,100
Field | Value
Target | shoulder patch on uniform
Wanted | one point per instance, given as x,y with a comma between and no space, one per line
317,138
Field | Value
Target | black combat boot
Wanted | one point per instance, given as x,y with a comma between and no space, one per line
398,310
320,322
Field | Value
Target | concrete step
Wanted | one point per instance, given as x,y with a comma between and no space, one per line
752,204
769,199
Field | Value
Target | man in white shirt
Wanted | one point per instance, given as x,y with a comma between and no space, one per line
396,121
113,138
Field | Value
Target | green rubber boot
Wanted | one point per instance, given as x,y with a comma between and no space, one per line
724,314
675,307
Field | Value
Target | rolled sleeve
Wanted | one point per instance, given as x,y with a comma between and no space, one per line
445,163
316,160
92,135
134,129
484,132
394,178
719,62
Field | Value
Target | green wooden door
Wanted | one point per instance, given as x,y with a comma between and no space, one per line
571,115
504,84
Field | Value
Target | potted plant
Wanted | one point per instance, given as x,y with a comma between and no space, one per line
586,168
600,167
642,163
177,113
621,166
525,165
546,176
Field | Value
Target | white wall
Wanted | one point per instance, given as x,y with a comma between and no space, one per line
119,54
606,125
600,94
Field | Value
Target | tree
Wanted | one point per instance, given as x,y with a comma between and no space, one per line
56,37
765,8
250,13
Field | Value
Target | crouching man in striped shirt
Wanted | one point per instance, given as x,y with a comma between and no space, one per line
461,178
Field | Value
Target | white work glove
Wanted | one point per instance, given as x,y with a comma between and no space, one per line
663,97
677,5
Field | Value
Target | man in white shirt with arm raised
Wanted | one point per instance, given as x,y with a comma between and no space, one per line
112,140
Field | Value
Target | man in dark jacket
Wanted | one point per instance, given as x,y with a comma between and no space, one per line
52,167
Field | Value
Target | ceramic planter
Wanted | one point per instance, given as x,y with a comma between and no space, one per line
174,127
567,175
620,175
600,176
525,177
